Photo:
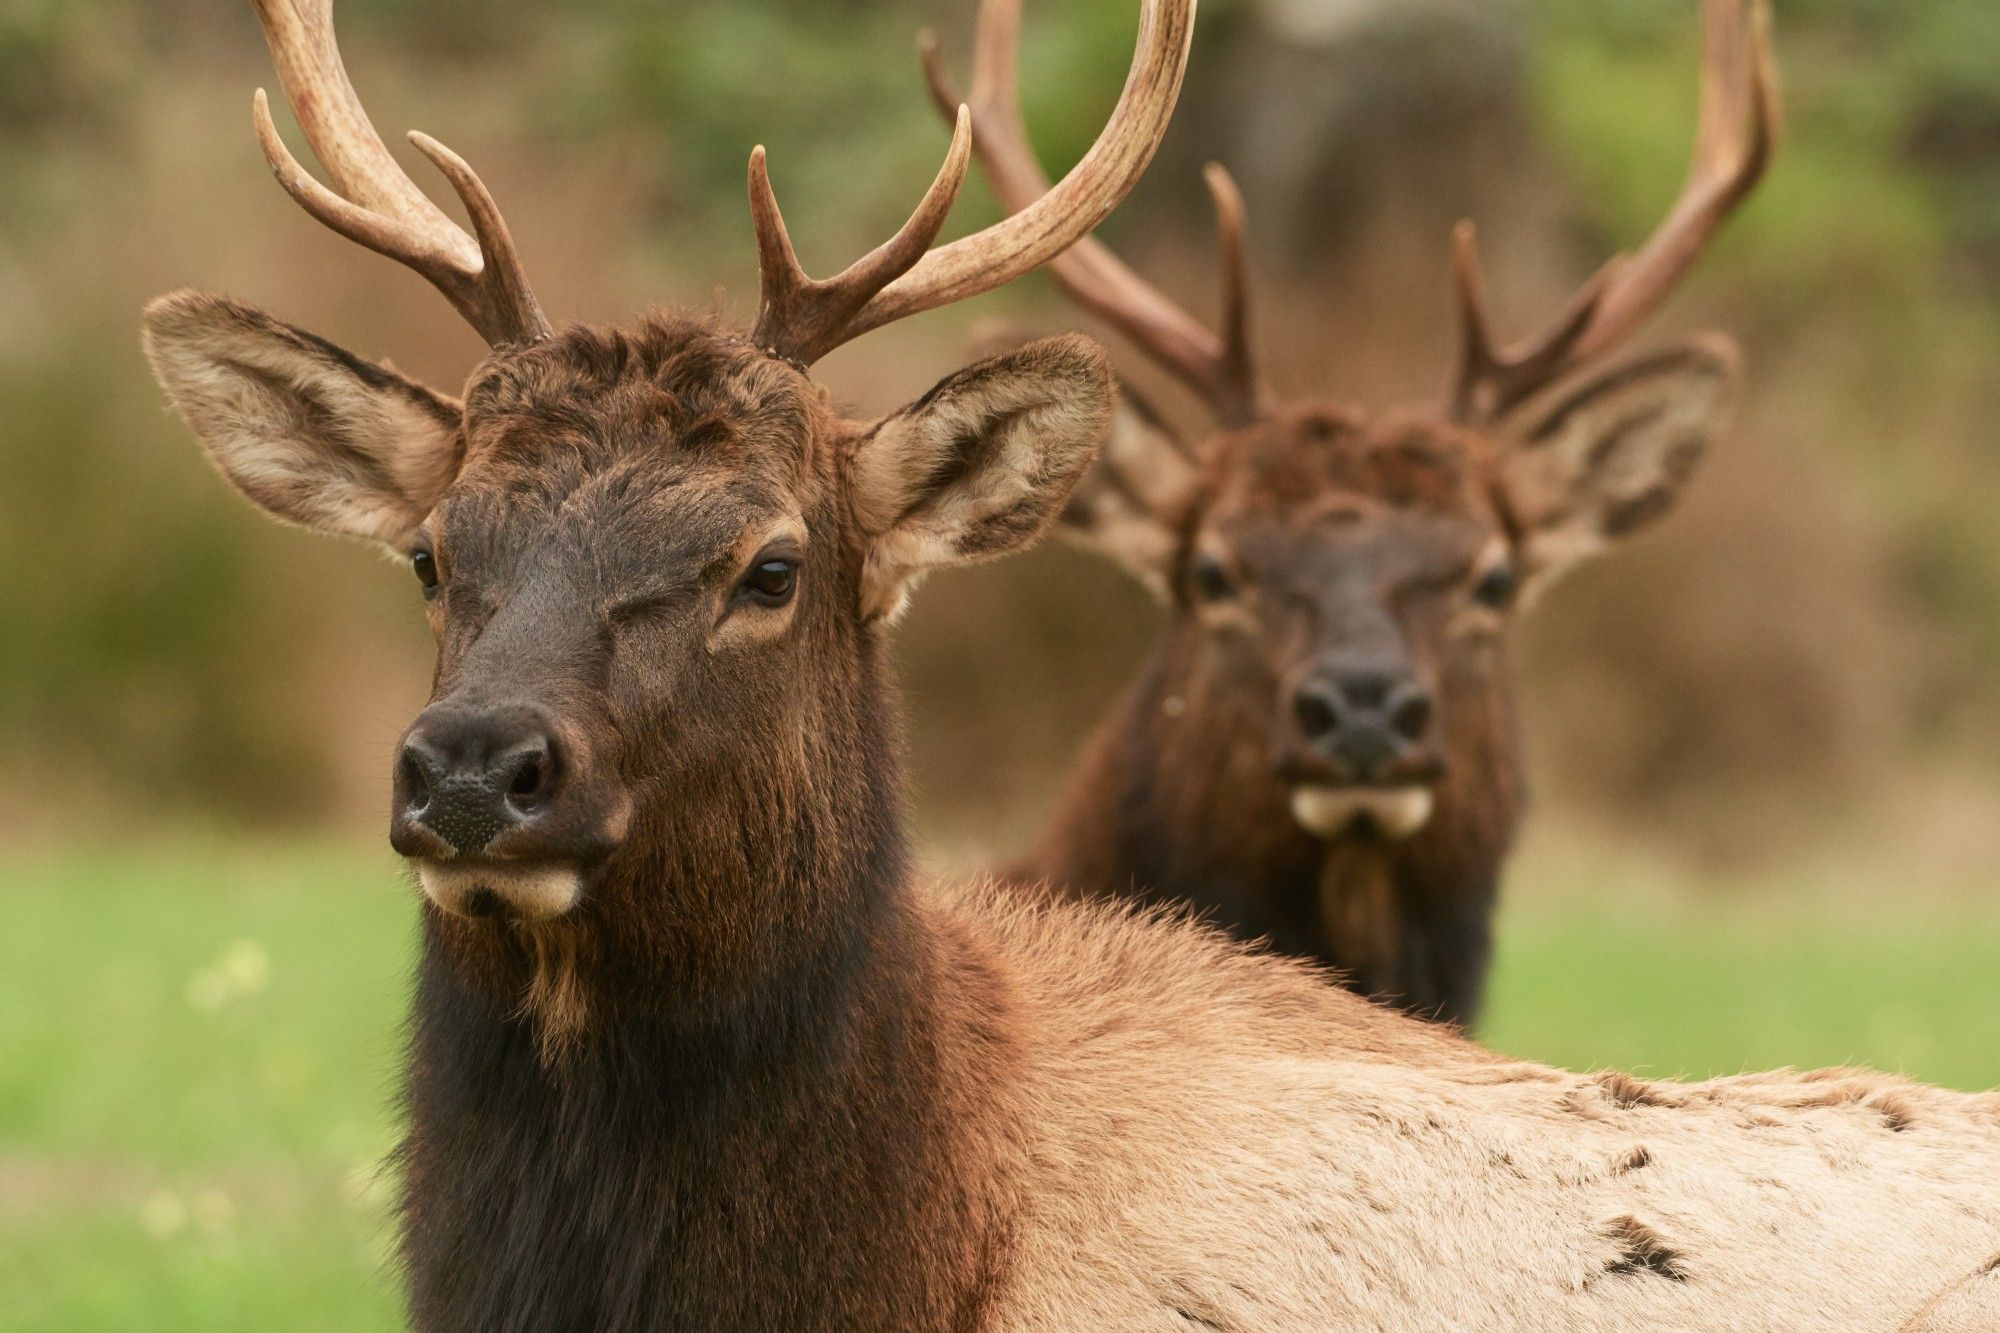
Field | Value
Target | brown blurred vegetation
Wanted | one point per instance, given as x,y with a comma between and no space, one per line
1811,646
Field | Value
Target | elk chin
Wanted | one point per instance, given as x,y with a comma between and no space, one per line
504,890
1329,812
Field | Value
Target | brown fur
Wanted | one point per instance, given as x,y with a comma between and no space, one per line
1215,1133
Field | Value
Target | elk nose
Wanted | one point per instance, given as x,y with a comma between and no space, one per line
1362,719
465,777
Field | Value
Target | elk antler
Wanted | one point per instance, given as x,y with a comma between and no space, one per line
1733,147
377,205
802,320
1222,370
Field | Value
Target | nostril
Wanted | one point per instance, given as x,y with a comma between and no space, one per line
1316,714
416,781
1412,717
533,775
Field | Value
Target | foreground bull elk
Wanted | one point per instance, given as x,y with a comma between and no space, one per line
692,1046
1321,750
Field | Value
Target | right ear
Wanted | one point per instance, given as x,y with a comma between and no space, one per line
1610,453
310,433
1130,506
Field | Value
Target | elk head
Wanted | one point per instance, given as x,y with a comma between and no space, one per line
655,560
1354,572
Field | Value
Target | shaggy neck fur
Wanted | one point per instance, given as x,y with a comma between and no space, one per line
752,1126
1175,801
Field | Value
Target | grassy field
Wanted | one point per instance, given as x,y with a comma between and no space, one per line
197,1052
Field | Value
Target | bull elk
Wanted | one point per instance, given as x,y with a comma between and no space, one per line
1321,750
693,1048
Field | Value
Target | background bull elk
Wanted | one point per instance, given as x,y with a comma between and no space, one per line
1322,749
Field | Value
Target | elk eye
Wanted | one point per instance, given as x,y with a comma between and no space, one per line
1496,587
424,564
771,582
1211,581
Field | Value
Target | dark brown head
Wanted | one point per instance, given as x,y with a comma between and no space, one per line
1359,573
655,561
651,559
1342,580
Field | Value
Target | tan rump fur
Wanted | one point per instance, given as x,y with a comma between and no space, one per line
1970,1305
1217,1138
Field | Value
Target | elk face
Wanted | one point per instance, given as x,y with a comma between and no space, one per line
1355,577
650,561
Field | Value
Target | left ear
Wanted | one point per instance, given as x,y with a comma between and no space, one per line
1611,453
978,466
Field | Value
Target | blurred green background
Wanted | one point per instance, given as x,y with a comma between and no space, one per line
1764,739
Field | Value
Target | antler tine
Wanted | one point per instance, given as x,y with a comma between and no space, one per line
1220,369
1734,143
801,318
1243,397
1010,248
373,202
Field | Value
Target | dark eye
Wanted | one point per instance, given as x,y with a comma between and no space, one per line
771,582
1496,587
1210,580
425,566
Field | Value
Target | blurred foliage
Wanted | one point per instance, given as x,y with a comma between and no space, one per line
154,642
1892,151
1874,248
117,597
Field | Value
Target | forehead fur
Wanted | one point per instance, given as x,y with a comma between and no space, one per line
1304,462
671,386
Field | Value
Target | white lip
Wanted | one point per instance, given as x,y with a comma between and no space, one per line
536,891
1328,812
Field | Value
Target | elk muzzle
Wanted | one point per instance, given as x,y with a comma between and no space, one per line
496,809
1361,750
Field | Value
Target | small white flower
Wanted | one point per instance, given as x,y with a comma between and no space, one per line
163,1214
242,969
245,966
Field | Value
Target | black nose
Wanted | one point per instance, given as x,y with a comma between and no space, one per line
466,776
1362,718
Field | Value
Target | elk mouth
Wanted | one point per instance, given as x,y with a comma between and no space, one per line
502,890
1392,812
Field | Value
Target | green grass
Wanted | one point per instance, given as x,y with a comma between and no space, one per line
1687,992
197,1052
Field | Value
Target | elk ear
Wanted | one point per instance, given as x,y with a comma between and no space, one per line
979,465
308,432
1609,454
1129,507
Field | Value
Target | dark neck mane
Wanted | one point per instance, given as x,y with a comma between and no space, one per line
723,1145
